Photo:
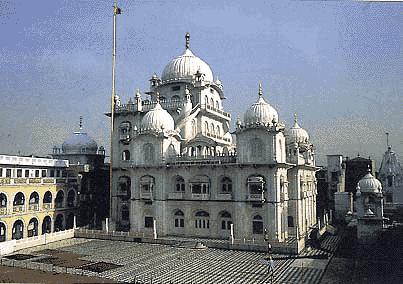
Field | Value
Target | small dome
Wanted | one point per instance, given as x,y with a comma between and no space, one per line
157,119
297,134
185,66
369,184
260,112
79,143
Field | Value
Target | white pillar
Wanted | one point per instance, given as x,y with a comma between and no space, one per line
74,222
107,225
155,229
232,233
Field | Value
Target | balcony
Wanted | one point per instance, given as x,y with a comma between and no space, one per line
224,196
33,207
176,195
217,112
47,206
146,195
201,196
254,197
203,160
3,211
18,208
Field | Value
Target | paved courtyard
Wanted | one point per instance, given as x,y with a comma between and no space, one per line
153,263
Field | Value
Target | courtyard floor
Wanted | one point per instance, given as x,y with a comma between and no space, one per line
118,261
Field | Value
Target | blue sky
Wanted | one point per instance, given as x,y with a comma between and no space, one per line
338,65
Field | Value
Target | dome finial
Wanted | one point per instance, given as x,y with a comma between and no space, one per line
187,37
295,118
260,90
81,122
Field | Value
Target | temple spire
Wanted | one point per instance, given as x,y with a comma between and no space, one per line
81,122
187,38
260,90
387,140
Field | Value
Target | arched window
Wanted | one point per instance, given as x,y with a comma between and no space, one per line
126,155
226,185
59,223
217,105
34,198
3,232
211,102
206,100
124,187
226,220
146,187
19,199
33,227
125,128
47,198
256,184
171,151
46,225
179,184
206,128
217,131
200,185
179,219
18,230
71,197
59,199
3,200
202,220
257,225
125,213
212,129
290,221
148,150
256,149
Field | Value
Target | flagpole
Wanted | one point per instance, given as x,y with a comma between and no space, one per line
112,107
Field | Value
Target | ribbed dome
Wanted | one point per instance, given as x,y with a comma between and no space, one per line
297,134
185,66
157,119
260,112
369,184
79,143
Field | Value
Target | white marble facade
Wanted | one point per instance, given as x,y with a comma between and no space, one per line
175,161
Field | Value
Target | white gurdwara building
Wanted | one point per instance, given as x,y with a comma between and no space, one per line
175,161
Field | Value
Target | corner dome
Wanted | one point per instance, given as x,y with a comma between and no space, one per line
79,143
157,119
185,66
369,184
297,133
260,112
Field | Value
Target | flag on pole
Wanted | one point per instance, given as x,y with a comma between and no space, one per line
117,10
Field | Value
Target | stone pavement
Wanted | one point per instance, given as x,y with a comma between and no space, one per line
154,263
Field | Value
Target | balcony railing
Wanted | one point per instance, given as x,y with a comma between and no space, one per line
254,197
201,196
47,206
217,111
224,196
33,207
176,195
3,211
146,195
12,181
18,208
205,159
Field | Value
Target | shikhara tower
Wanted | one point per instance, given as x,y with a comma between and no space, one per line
176,162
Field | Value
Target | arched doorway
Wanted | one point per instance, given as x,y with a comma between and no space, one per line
59,223
47,200
59,199
70,221
225,224
33,227
46,225
71,197
18,230
3,232
34,201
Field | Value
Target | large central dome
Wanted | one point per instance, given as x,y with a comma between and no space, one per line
185,66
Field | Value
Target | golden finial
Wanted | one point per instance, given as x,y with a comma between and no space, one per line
260,90
187,37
